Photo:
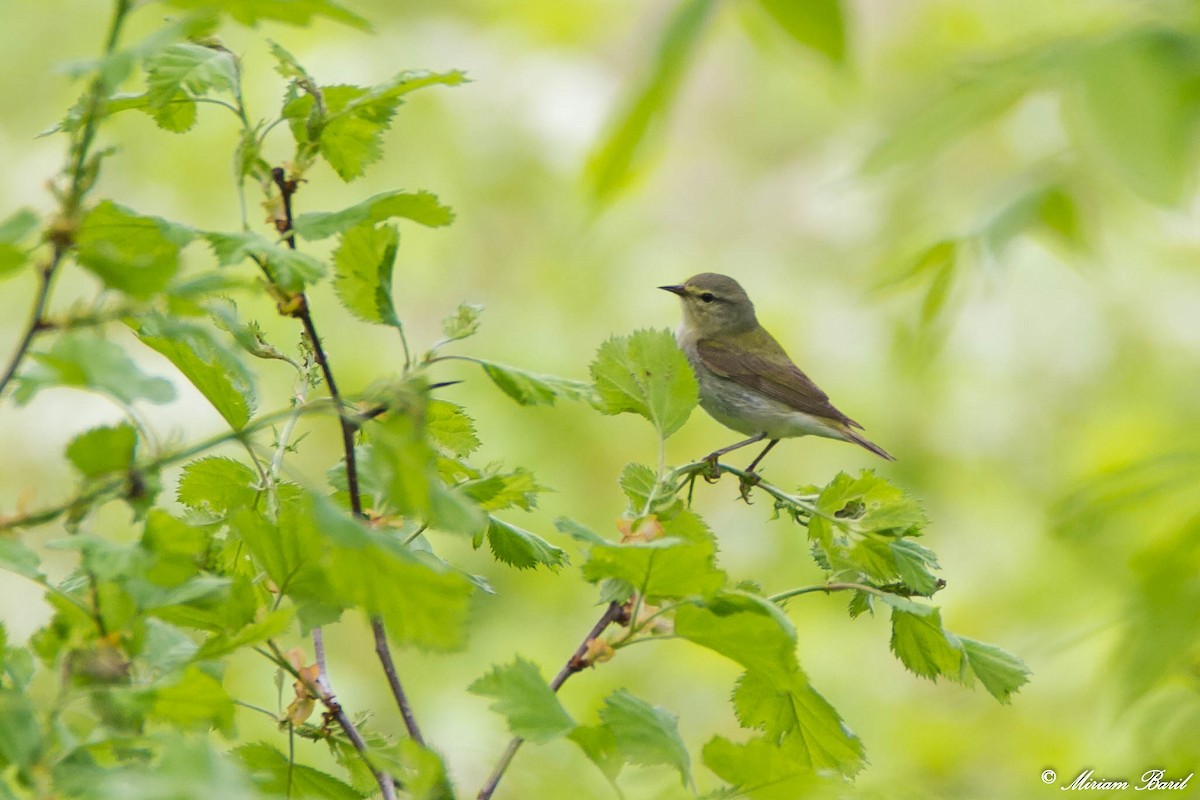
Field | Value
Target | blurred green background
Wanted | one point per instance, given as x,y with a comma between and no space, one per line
978,233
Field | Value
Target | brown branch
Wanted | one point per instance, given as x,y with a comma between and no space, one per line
287,187
576,663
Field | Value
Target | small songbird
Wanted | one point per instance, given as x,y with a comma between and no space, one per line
747,381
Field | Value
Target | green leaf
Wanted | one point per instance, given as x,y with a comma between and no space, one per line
292,12
521,549
197,701
269,627
530,389
806,726
499,491
463,322
289,268
131,253
1001,672
645,734
363,272
748,629
421,207
86,362
622,151
103,450
218,485
759,769
13,230
17,558
211,367
816,24
450,428
525,700
1048,209
1140,109
926,648
640,484
21,733
681,564
648,374
600,746
181,72
276,775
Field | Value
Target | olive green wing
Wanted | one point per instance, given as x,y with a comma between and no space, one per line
770,372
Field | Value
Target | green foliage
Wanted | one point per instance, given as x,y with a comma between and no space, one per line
422,207
99,365
645,734
526,701
648,374
103,450
131,253
363,265
530,389
15,229
818,24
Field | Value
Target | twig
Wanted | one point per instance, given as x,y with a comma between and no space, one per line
576,663
287,187
62,234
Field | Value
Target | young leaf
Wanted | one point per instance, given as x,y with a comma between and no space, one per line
750,630
363,265
218,485
645,734
525,700
289,268
183,71
648,374
89,363
13,230
422,207
103,450
496,492
131,253
623,148
463,322
816,24
293,12
197,701
530,389
450,428
925,647
1001,672
759,769
521,549
276,775
212,368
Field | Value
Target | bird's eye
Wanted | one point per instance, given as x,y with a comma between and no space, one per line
707,297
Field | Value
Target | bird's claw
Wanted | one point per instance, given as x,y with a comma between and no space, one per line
747,482
712,470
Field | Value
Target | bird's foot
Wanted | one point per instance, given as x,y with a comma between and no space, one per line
746,482
712,470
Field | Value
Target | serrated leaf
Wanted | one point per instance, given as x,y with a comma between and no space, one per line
103,450
759,769
525,699
633,130
816,24
363,265
130,252
219,485
177,74
926,648
196,701
292,12
645,734
648,374
289,268
269,627
519,548
1001,672
211,367
463,322
681,564
913,563
451,428
638,482
496,492
276,775
747,629
600,746
86,362
806,726
530,389
421,207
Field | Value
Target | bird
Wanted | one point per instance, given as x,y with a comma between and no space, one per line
747,381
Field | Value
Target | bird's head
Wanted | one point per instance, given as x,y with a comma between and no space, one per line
714,304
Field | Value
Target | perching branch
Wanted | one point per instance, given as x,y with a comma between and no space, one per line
576,663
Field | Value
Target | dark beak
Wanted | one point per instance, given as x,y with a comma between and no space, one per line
679,290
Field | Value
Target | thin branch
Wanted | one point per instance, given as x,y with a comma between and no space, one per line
287,187
576,663
322,693
827,588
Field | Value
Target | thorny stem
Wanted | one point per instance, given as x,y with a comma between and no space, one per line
576,663
63,232
287,187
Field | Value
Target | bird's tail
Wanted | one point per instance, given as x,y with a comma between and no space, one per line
862,441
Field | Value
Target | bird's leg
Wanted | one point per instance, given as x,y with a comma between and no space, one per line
750,478
712,473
